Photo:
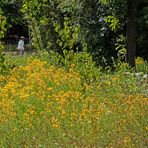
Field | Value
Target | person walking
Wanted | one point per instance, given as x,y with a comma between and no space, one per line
20,46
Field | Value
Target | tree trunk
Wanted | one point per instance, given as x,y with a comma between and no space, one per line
131,32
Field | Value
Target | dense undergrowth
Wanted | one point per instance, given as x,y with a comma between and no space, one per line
51,101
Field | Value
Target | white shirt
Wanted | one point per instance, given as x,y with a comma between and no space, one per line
21,45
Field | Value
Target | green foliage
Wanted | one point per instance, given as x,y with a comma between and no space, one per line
68,34
3,67
80,61
2,29
83,63
98,27
94,26
120,46
113,22
11,9
141,65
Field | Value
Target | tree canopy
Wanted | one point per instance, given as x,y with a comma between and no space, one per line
105,28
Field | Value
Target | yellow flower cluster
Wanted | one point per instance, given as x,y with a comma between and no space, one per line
6,113
39,95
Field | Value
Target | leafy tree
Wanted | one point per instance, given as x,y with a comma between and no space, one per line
98,26
42,17
51,28
11,9
142,30
94,32
131,31
128,9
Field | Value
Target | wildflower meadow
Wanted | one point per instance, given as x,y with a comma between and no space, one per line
52,102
